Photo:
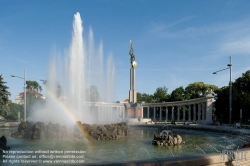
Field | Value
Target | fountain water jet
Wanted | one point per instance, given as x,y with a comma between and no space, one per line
81,68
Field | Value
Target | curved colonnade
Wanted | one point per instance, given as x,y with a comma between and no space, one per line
198,110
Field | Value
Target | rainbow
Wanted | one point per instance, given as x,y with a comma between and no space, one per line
70,114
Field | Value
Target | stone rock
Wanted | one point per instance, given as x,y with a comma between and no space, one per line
3,142
40,130
167,140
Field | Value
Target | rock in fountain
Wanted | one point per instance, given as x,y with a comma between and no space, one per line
3,144
167,138
40,130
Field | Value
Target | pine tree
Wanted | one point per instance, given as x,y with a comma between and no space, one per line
4,95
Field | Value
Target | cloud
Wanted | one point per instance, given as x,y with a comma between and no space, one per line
21,60
241,46
168,31
224,30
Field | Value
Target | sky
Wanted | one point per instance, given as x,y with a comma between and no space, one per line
176,42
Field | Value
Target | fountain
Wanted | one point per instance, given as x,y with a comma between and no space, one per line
76,73
82,68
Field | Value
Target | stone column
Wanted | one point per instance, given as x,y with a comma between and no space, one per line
111,113
194,118
117,112
132,91
209,109
189,112
148,112
18,116
142,113
184,114
123,112
172,112
203,111
178,113
167,113
199,112
154,114
160,114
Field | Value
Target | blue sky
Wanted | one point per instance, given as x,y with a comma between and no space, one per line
175,42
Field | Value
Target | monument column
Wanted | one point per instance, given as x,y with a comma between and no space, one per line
132,91
133,109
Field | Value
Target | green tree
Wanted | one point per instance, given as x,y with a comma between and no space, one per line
33,99
161,94
178,94
33,85
222,104
143,97
33,102
240,99
198,89
4,96
13,110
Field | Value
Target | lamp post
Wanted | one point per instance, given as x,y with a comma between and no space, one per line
230,88
24,78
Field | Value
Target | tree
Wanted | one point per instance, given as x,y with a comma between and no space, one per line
33,85
198,89
240,99
160,94
33,98
178,94
4,95
92,94
59,90
143,97
243,83
33,101
13,110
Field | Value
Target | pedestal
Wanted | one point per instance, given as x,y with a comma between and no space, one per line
133,110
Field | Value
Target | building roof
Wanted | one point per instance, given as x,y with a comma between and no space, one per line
18,99
37,94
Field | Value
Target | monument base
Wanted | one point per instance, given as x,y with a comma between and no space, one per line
133,110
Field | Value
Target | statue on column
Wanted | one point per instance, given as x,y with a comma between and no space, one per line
132,55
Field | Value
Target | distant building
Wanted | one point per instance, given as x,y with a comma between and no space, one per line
18,99
125,101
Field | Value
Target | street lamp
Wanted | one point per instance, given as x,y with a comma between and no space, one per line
24,78
230,87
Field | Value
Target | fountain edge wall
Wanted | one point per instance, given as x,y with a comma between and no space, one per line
213,159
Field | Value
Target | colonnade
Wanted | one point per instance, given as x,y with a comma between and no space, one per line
198,110
194,112
107,112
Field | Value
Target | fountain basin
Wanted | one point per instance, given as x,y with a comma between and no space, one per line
201,147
